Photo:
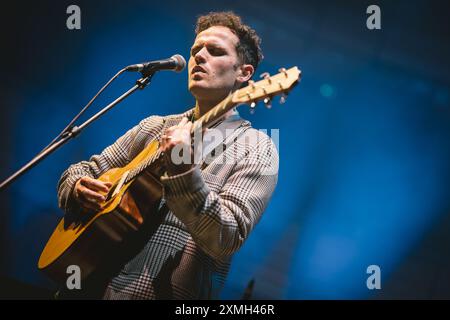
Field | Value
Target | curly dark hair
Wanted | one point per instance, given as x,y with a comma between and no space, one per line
248,48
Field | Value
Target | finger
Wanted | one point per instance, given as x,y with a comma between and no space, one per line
168,134
183,121
94,184
91,195
164,142
169,130
166,145
91,205
86,202
188,127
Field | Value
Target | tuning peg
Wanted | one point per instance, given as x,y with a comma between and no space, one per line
268,103
283,70
280,85
266,75
253,107
251,83
283,98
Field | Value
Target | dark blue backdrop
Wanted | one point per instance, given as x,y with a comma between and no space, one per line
364,139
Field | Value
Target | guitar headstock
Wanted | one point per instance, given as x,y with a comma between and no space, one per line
266,89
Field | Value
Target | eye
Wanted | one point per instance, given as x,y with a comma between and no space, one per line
215,51
194,51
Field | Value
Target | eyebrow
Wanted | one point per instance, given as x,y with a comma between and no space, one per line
210,44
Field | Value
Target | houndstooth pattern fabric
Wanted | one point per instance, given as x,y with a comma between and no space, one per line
210,212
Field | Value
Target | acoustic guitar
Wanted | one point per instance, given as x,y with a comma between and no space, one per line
90,240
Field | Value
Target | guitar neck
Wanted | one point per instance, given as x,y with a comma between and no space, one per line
209,118
280,83
205,121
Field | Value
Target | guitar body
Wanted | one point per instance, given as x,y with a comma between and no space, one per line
91,240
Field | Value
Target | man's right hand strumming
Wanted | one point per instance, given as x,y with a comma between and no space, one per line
87,193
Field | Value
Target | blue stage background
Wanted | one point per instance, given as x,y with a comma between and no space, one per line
364,138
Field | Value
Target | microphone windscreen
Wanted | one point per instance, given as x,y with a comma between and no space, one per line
181,63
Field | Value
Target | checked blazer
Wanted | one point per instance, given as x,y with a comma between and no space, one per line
209,212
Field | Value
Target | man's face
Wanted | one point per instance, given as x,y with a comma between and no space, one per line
213,64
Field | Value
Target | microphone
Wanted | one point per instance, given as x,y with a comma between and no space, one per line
175,63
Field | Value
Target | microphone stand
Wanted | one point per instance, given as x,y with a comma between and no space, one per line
74,131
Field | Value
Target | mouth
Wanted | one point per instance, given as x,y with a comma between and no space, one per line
197,69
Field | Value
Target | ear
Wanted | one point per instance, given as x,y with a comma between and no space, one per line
246,73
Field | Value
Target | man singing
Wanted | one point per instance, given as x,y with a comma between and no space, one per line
209,211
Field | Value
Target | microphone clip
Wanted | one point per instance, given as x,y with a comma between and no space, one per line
146,78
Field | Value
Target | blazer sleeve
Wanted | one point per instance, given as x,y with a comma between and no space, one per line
221,221
116,155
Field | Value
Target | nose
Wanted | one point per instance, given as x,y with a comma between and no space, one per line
199,57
